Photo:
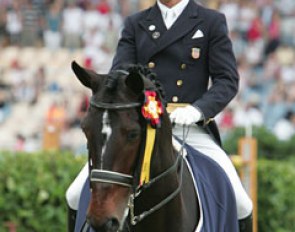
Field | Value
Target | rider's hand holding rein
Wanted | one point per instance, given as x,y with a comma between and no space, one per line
186,115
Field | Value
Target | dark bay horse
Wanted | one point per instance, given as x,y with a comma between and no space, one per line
138,181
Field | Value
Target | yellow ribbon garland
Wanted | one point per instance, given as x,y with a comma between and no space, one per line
146,164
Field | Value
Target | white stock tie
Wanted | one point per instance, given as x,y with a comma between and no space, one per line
170,18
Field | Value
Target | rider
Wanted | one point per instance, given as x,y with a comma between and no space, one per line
188,47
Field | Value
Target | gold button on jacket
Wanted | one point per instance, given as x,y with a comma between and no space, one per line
175,99
151,64
179,83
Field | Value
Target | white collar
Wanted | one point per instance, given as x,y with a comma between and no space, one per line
177,9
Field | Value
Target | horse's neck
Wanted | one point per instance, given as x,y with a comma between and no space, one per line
181,213
164,154
184,207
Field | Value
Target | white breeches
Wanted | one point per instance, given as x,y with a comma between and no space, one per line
74,191
202,142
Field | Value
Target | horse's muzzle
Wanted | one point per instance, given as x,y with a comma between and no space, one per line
110,225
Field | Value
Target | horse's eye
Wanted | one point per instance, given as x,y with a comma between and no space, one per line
131,135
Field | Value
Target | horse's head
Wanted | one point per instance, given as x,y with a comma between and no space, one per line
115,127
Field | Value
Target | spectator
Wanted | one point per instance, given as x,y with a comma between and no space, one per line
38,83
111,37
285,127
2,27
255,31
53,20
20,143
247,12
14,25
91,18
239,45
255,38
271,68
103,7
231,9
124,7
273,34
287,73
226,121
72,27
250,114
4,105
56,115
267,10
31,21
246,74
286,7
92,36
275,107
18,75
93,41
81,110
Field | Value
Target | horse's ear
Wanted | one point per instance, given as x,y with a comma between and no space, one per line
82,74
135,82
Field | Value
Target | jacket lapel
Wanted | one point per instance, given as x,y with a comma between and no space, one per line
183,25
154,23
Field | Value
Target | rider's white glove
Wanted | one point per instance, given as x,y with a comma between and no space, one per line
185,115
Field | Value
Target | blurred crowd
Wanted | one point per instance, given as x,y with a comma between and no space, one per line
263,38
89,24
40,99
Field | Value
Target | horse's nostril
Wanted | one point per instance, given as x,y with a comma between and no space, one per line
112,225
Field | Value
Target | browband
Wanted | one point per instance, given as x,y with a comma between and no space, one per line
114,106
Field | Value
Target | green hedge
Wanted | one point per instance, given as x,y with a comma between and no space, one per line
276,195
32,190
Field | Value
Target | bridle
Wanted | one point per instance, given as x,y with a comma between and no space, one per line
125,180
105,176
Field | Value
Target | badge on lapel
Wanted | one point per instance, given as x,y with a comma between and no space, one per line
196,53
152,27
156,35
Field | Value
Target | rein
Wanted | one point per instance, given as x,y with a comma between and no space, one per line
125,180
137,218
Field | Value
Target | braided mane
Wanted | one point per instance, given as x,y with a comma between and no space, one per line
147,73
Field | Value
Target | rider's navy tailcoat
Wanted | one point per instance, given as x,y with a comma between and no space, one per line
195,51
